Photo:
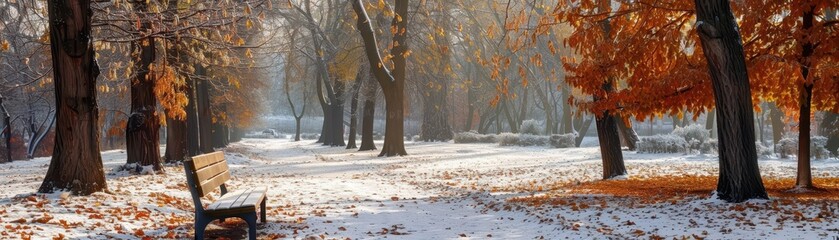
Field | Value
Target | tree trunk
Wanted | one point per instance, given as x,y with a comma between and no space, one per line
606,121
435,113
7,132
710,123
192,122
236,134
368,114
739,178
830,129
581,134
297,128
356,89
627,134
205,122
610,146
567,117
776,117
393,86
76,163
143,129
175,140
804,177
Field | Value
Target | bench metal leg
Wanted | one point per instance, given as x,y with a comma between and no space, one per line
262,211
200,226
251,220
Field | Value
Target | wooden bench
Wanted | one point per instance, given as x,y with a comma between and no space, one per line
205,173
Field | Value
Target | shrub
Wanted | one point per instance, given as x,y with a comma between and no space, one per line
763,150
473,137
533,140
507,139
788,146
668,143
416,138
531,127
564,140
695,135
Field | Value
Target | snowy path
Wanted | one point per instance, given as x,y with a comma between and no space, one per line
440,191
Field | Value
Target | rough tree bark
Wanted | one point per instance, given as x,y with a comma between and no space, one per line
368,114
205,122
7,131
175,140
143,128
192,122
739,178
392,85
606,121
76,163
804,177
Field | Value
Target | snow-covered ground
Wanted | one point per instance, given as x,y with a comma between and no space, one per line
440,191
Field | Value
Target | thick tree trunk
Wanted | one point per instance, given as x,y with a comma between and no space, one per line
192,122
367,118
607,126
435,113
205,115
610,146
393,86
804,177
76,163
175,140
143,129
7,132
739,178
236,134
338,115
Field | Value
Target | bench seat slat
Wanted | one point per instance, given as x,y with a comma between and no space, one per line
242,201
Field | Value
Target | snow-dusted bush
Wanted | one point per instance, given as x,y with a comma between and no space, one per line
709,147
668,143
788,146
533,140
378,136
525,140
416,138
763,150
695,135
473,137
564,140
818,147
507,139
531,127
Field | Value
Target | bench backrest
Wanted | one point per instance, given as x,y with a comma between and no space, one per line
208,172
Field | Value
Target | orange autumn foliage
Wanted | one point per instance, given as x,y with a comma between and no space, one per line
653,55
